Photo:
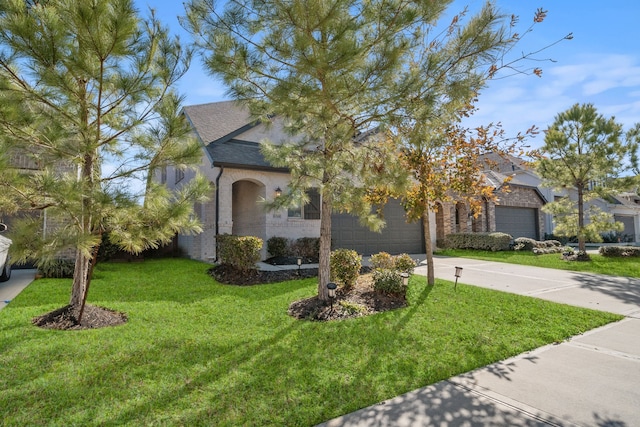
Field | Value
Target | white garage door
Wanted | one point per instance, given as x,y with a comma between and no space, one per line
519,222
396,238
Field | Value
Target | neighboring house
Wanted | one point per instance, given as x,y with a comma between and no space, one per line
516,211
241,179
625,207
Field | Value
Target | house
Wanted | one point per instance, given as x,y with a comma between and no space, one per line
625,207
517,211
241,180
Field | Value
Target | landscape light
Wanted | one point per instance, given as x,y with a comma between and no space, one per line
458,273
332,292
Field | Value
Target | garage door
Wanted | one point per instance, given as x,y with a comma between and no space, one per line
396,238
519,222
629,231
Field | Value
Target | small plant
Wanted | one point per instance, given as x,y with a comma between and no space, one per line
352,307
241,252
278,246
404,263
306,247
345,266
382,260
388,282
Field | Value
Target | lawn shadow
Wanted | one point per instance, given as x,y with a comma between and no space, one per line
443,404
625,289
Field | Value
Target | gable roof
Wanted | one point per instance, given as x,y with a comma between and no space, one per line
217,120
497,180
217,125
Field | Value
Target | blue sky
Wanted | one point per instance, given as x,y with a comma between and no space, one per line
600,65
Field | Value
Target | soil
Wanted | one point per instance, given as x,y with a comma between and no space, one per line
93,317
360,300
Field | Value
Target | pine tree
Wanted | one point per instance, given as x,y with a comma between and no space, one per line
335,70
86,97
585,151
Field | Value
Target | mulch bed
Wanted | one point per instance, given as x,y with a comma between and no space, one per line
360,300
231,276
93,317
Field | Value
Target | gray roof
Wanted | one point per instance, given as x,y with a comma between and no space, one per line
497,180
239,154
217,124
216,120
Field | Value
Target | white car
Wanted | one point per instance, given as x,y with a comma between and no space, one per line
5,266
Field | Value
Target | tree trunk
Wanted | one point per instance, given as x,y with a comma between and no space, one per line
581,237
324,269
426,224
80,284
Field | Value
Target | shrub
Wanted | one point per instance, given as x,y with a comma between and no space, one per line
241,252
306,247
620,251
483,241
524,244
382,260
549,250
345,266
404,263
57,268
388,282
278,246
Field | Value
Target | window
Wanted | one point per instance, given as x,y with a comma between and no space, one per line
311,209
163,175
179,175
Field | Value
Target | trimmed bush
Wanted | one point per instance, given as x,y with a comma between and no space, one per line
388,282
306,247
241,252
524,244
482,241
57,269
404,263
345,266
278,246
620,251
382,260
537,247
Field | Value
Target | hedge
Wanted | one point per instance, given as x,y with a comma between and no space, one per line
620,251
484,241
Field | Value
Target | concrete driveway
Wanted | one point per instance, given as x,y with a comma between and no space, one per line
591,380
19,280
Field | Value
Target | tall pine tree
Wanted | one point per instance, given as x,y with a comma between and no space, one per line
86,98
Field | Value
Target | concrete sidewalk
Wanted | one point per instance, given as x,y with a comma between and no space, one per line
591,380
19,280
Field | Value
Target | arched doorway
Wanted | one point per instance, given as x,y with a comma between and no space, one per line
440,232
461,217
248,216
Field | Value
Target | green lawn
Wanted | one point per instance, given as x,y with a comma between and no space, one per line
625,267
196,352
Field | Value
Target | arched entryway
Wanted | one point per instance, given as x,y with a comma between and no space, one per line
440,231
461,217
248,216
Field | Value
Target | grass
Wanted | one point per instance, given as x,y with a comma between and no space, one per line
625,267
196,352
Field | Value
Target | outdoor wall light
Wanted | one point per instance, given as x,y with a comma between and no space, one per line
405,279
278,192
458,273
299,264
331,287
